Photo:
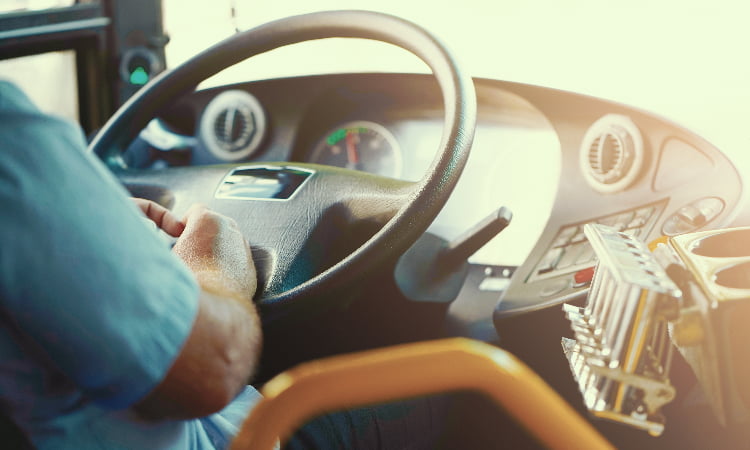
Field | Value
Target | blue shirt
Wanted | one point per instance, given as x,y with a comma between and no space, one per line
94,308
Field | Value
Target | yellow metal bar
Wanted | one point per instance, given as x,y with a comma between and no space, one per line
411,370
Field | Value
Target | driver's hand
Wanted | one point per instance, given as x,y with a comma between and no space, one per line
161,216
213,247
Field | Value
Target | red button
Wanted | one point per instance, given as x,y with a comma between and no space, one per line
584,276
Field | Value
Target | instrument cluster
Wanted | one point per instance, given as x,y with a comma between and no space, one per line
360,145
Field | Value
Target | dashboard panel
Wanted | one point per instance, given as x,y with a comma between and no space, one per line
557,160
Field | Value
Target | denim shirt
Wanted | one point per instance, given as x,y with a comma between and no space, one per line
94,307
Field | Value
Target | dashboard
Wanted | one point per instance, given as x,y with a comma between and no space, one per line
557,160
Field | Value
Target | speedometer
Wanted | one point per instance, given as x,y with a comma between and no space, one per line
360,145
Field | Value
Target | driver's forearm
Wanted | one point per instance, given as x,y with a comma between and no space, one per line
218,359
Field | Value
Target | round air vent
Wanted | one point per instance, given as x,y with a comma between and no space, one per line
611,153
233,125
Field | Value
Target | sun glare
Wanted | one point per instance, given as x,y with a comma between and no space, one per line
679,59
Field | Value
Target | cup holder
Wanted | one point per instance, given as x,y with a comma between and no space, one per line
728,244
734,277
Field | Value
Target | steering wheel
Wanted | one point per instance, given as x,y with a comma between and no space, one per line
291,237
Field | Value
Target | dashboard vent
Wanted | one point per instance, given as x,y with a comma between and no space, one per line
233,125
612,153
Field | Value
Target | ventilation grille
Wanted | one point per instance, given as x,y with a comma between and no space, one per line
234,127
612,153
607,158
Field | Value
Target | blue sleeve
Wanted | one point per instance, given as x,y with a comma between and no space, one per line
80,272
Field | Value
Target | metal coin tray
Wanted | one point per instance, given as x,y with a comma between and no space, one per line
621,352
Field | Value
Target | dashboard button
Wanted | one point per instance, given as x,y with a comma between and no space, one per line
563,238
554,287
548,263
583,276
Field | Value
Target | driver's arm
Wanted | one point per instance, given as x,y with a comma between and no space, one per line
112,315
222,349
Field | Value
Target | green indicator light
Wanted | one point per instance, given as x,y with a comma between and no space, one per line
336,136
139,76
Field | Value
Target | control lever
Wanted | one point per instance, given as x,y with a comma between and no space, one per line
434,270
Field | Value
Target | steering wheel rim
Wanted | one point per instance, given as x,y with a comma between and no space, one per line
428,195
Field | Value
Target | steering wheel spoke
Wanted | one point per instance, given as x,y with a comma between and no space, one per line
364,196
324,219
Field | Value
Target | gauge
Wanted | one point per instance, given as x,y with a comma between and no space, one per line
360,145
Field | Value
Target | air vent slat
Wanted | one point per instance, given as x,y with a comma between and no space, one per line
611,153
233,125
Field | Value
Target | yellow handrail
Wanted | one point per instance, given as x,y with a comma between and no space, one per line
412,370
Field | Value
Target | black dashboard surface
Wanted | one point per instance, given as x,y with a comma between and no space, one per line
557,160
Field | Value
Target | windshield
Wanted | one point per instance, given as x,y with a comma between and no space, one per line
683,60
